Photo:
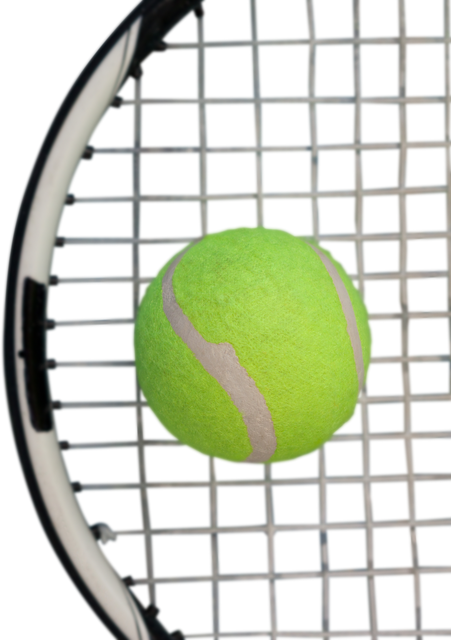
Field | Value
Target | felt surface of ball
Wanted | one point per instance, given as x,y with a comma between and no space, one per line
245,348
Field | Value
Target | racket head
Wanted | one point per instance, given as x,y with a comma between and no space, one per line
447,237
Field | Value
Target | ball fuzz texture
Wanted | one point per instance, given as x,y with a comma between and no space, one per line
252,344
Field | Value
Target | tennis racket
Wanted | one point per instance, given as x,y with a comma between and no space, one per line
317,201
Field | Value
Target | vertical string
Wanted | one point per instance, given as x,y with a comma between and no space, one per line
448,163
313,124
270,535
202,122
258,113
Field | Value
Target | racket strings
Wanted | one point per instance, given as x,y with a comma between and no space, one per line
348,178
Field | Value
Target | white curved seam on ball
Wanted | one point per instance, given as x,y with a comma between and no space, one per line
349,314
221,362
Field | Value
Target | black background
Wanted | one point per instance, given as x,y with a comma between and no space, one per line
47,43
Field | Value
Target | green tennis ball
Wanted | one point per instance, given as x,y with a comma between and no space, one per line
252,344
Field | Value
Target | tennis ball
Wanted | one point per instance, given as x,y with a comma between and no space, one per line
252,344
